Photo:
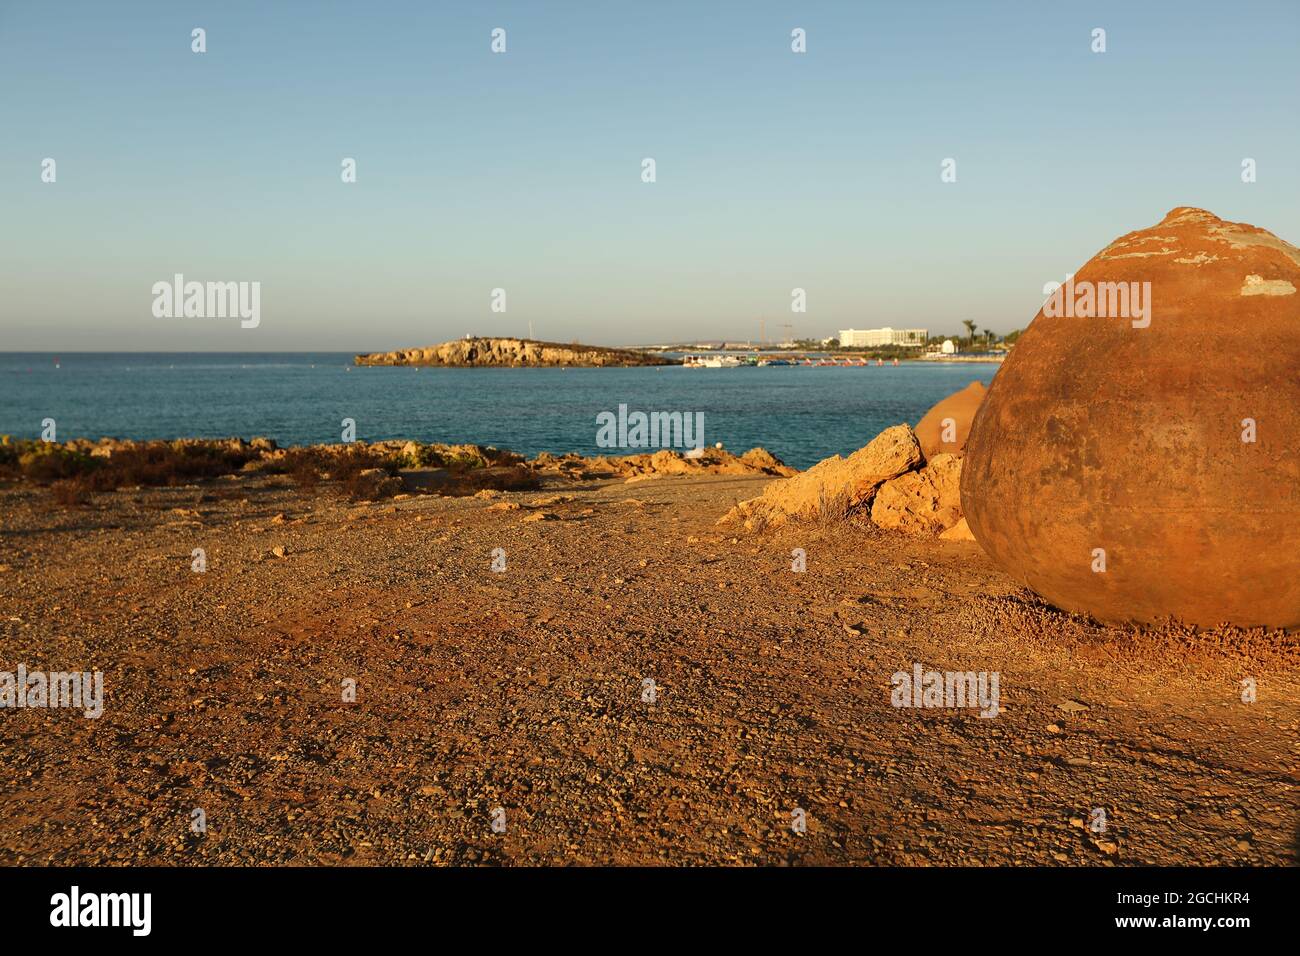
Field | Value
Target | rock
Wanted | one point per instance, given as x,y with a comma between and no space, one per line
483,351
263,444
704,461
934,426
921,502
1162,440
1071,706
958,532
763,460
844,485
279,551
375,483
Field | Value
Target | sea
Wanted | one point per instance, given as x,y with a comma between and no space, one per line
801,414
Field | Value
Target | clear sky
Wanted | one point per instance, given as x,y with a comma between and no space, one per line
522,170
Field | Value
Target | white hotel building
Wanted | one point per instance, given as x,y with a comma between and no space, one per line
858,338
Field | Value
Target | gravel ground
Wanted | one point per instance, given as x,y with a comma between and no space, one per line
524,690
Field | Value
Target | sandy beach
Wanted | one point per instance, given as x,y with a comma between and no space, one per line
524,690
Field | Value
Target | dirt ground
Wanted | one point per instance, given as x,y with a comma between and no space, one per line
523,690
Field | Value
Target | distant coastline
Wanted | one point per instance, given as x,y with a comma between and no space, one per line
484,352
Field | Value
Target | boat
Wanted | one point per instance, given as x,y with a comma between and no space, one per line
710,361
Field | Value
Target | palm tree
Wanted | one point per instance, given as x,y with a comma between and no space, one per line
970,330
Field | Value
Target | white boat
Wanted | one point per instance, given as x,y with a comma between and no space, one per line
711,361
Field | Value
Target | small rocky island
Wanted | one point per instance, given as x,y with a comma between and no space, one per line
512,353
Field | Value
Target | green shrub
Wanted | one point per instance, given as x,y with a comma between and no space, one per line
47,462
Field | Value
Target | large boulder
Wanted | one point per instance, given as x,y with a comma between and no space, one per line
921,502
1138,459
944,428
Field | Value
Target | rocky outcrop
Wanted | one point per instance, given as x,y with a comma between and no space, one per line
944,428
511,353
362,470
836,485
707,461
927,501
888,481
1135,458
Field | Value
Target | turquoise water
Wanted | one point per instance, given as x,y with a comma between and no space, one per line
800,414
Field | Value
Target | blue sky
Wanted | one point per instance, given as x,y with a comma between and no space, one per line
522,171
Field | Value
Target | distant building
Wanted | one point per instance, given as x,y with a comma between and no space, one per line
867,338
949,347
